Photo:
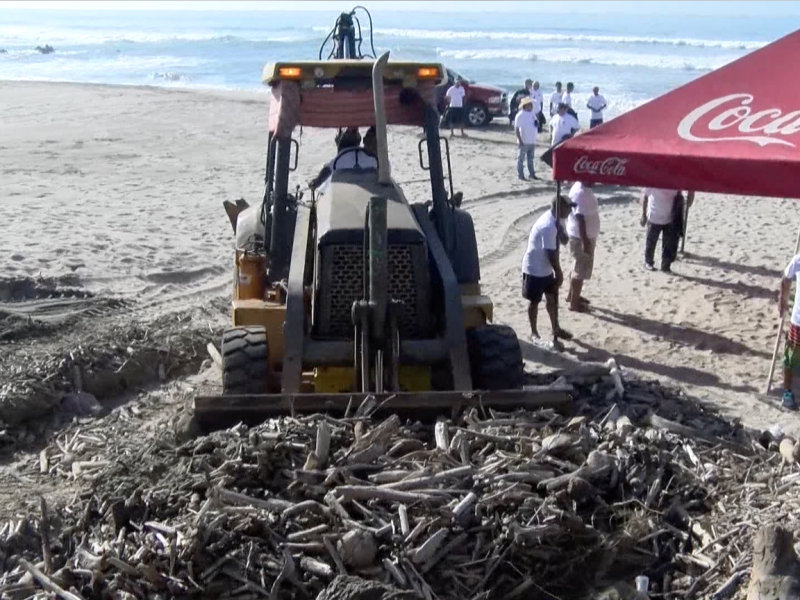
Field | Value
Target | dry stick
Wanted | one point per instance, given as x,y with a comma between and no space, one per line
44,526
727,588
780,328
364,492
423,482
323,443
689,199
47,583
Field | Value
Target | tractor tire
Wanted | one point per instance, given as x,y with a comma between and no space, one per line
495,358
245,361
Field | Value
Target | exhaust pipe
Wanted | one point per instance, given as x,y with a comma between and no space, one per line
384,168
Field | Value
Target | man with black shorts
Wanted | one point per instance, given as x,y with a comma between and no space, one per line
455,98
541,270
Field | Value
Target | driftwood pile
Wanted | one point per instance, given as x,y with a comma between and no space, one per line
103,359
515,505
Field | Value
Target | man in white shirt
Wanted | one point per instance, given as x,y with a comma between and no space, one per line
526,130
567,99
555,99
455,98
791,353
657,214
538,105
563,125
596,104
541,270
583,227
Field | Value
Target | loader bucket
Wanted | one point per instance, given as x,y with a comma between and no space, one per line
218,412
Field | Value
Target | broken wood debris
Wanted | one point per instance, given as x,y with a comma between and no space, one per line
491,505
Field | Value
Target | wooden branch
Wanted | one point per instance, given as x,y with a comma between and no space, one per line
214,354
404,525
44,530
272,505
426,481
323,443
364,492
429,547
316,567
47,583
442,436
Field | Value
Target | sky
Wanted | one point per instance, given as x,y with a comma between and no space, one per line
763,8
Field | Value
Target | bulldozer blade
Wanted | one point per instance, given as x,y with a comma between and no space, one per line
218,412
233,210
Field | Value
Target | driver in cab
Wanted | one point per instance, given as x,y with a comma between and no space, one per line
350,155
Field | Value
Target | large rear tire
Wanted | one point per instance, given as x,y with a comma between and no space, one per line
245,361
495,358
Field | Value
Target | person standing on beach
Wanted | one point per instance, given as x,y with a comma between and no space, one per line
555,100
455,98
526,130
791,353
538,105
659,217
541,270
583,227
596,104
514,103
566,98
563,126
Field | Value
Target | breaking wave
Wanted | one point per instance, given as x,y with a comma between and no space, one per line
559,37
576,56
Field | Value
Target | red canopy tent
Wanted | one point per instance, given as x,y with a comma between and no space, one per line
734,130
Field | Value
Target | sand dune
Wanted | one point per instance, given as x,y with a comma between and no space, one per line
121,190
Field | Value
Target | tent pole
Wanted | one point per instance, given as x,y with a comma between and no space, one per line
689,200
780,327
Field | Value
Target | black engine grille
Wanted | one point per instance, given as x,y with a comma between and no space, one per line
342,283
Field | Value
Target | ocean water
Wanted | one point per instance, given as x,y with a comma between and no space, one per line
632,58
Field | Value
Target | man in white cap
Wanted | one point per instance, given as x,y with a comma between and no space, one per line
526,130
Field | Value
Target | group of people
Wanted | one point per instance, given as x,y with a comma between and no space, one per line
574,221
527,116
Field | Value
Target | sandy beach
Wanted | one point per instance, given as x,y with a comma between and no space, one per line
119,190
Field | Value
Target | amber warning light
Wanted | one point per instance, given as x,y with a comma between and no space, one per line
289,71
428,73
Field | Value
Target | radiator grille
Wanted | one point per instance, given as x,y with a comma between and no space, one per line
346,281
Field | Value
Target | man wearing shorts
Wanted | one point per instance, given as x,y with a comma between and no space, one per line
455,98
583,227
541,270
791,355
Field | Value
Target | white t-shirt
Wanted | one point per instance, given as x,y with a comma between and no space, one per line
538,100
562,126
792,272
526,123
596,104
587,206
456,95
659,205
555,98
543,237
567,99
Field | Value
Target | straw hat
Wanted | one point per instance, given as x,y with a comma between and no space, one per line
525,101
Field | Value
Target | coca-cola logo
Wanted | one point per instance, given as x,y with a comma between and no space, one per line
734,112
610,166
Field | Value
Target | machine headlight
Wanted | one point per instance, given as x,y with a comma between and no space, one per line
495,99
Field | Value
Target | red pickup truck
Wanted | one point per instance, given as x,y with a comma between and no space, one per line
482,102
